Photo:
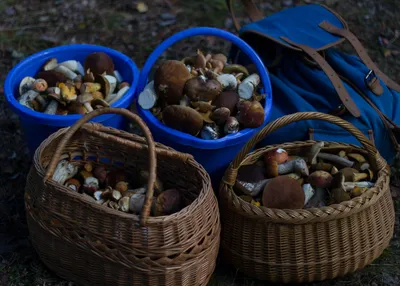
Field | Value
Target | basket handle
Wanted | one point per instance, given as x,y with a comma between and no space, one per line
147,134
374,156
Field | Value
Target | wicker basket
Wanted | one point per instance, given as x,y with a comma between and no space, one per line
305,245
91,244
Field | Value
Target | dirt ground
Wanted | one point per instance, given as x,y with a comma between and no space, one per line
30,26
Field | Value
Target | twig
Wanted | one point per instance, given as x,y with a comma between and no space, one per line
24,28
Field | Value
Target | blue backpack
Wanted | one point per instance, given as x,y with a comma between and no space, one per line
308,73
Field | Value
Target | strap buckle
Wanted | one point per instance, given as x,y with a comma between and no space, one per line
369,77
372,82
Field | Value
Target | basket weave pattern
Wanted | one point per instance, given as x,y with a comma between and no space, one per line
92,244
306,245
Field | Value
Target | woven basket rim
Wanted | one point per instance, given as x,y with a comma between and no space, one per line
187,210
346,206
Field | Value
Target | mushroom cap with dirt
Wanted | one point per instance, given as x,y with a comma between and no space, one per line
169,81
283,192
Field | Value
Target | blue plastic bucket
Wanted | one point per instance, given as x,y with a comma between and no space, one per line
38,126
214,155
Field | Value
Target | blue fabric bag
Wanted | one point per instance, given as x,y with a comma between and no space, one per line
308,73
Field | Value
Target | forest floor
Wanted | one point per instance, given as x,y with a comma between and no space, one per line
27,27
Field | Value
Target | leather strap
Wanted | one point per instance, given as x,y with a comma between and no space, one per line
360,50
251,9
333,77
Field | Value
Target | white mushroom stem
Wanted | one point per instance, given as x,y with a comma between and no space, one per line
66,71
91,182
54,89
184,101
298,166
74,66
26,84
118,76
253,189
336,159
52,107
348,186
247,86
148,97
50,64
64,171
88,107
228,81
308,193
315,149
112,81
120,94
136,202
27,98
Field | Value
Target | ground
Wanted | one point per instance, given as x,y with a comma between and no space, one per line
30,26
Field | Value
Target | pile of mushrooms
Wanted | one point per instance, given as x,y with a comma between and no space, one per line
112,188
204,96
319,178
70,88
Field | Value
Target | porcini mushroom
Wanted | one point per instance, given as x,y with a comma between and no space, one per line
202,106
335,159
182,118
85,100
320,179
362,162
220,115
99,63
66,71
248,85
50,64
26,84
279,155
298,166
209,132
202,89
74,66
228,99
220,57
251,188
148,97
91,185
348,174
338,191
27,98
52,77
73,184
169,81
231,125
168,202
216,65
64,171
308,193
119,95
251,114
283,192
228,81
315,149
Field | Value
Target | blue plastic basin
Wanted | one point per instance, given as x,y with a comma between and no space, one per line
38,126
214,155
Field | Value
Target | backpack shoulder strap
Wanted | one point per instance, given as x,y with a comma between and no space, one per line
332,75
251,9
360,50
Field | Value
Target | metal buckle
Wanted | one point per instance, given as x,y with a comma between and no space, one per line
369,77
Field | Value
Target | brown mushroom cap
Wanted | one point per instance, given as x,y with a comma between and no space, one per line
183,118
168,202
52,77
83,98
320,179
199,88
76,108
220,115
283,192
279,155
98,63
348,173
251,114
220,57
169,81
228,99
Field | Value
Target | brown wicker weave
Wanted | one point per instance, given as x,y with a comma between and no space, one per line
307,244
92,244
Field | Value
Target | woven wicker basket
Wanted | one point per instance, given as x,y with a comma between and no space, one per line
92,244
305,245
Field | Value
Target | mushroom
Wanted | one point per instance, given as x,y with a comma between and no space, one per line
231,125
124,204
362,163
248,85
318,199
283,192
51,108
148,97
85,99
336,159
338,191
200,60
118,76
130,193
220,57
308,193
251,114
298,166
113,205
68,92
320,179
99,103
119,95
169,81
91,185
50,64
74,66
158,185
202,106
100,173
97,95
136,202
98,196
76,108
202,89
99,63
228,99
88,77
322,167
228,81
64,171
357,191
315,149
90,87
209,132
65,71
115,176
348,174
216,65
121,186
342,154
27,98
251,188
279,155
26,84
108,83
351,185
73,184
235,69
182,118
220,115
334,170
52,77
168,202
56,100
